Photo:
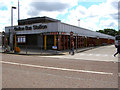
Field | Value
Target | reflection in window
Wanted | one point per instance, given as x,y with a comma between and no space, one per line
21,39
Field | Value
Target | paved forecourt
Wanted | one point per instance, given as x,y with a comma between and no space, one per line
103,53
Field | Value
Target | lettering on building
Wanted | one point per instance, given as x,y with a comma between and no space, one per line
34,27
39,27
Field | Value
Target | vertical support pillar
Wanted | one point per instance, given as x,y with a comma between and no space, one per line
75,42
15,41
78,41
59,42
5,40
70,42
11,35
54,40
64,42
86,41
45,44
67,41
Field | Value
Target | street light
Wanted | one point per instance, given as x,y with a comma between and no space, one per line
78,22
11,36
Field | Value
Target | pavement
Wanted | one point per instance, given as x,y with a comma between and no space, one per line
45,52
48,52
103,53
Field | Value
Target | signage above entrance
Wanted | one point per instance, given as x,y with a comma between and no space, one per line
34,27
39,27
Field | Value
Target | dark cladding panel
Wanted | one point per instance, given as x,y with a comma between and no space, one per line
31,40
40,41
37,20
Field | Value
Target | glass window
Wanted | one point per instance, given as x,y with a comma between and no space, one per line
21,39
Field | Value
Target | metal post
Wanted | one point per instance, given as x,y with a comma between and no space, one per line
76,44
18,11
11,35
42,43
70,45
59,42
67,41
4,42
78,22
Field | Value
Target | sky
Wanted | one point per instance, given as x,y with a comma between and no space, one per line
93,14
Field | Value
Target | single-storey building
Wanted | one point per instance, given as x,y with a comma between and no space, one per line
48,33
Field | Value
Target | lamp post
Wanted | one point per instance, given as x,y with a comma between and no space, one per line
78,22
12,31
18,11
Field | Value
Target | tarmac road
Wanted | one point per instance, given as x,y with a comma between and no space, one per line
19,71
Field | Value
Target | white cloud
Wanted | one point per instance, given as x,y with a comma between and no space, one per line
70,2
90,18
95,15
108,23
5,17
40,7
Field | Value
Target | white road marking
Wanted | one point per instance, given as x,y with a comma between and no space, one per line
105,55
85,54
90,54
97,55
55,68
82,54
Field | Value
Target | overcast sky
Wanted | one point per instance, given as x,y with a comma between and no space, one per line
93,14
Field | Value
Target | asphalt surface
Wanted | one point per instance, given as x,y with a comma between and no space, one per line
20,71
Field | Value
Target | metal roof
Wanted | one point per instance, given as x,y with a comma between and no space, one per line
37,20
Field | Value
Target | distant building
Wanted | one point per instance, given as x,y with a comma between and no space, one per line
48,33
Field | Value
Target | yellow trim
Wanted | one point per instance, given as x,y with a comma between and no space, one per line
45,44
54,40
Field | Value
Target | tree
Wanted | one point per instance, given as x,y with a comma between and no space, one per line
111,32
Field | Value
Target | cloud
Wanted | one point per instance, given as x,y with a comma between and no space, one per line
37,7
51,6
92,0
108,23
114,3
114,16
5,13
3,6
55,7
95,17
114,9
